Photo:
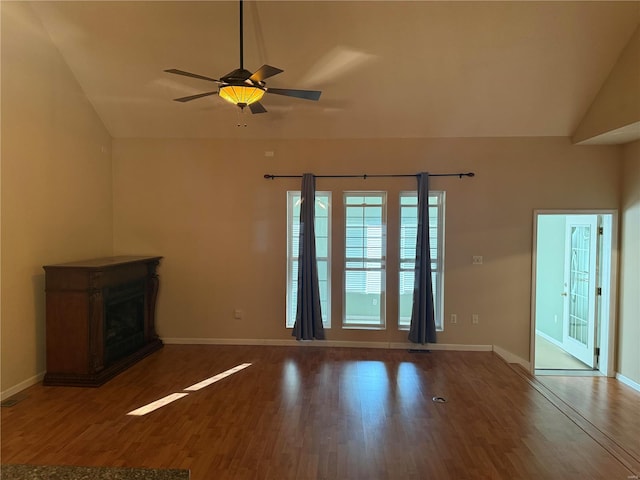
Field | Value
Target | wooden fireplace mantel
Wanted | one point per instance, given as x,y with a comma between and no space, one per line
78,298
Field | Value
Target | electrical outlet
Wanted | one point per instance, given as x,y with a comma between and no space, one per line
237,314
475,318
454,318
477,259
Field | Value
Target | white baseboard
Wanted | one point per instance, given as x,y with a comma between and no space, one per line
21,386
441,346
327,343
228,341
511,358
628,382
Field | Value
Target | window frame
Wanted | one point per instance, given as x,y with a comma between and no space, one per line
381,325
438,298
292,257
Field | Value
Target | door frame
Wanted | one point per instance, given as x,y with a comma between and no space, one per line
608,303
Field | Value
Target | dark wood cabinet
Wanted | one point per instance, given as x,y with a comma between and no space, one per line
100,318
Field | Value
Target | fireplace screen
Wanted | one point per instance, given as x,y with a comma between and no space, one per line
124,321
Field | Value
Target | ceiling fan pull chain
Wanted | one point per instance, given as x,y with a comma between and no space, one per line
238,113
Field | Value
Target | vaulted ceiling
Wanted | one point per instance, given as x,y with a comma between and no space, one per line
386,68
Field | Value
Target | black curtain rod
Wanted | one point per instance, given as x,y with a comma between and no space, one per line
365,176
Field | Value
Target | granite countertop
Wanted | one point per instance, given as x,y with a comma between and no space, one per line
38,472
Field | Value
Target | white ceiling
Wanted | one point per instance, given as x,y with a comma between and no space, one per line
386,68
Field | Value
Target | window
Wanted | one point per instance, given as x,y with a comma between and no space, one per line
408,233
365,259
323,235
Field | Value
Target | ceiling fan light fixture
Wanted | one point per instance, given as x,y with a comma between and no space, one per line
243,88
241,95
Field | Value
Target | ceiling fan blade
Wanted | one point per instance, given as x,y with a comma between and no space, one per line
265,71
189,74
257,107
304,94
193,97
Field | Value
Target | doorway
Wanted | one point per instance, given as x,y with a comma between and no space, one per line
573,291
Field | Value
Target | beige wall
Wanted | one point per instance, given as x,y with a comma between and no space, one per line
56,184
618,101
205,206
629,326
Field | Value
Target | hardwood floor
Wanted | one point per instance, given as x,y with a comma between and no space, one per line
590,397
327,413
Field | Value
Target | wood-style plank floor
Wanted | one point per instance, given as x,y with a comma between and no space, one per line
610,406
323,413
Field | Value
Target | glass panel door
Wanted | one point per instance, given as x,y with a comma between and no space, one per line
580,287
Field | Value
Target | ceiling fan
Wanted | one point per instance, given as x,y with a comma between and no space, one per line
243,88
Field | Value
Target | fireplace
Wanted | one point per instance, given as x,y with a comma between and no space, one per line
100,318
123,321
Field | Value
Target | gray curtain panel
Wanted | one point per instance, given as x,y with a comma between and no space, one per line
308,325
423,324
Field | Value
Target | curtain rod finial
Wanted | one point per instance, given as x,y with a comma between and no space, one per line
267,176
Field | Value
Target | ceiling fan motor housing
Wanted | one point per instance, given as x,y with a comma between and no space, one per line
238,77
